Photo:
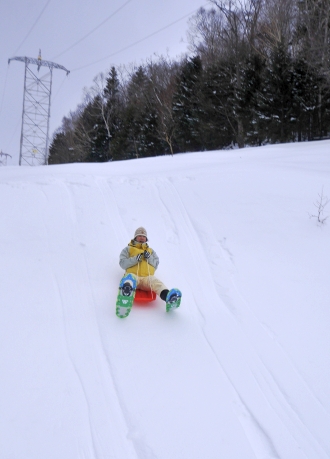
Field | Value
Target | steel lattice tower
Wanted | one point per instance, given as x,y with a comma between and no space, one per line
34,143
3,158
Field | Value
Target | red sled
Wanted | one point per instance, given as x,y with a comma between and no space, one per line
142,296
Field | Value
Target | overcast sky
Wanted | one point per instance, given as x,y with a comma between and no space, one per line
71,33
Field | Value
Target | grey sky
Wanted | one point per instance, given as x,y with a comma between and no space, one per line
58,27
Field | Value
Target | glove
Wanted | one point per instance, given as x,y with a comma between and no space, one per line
139,257
146,254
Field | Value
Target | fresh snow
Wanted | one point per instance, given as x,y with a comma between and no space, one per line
240,371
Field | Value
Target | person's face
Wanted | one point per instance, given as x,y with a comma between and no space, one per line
141,239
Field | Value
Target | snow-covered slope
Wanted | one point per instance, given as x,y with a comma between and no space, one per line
240,371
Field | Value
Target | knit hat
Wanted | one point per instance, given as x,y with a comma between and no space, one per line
141,232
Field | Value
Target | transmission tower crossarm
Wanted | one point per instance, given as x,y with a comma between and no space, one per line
39,63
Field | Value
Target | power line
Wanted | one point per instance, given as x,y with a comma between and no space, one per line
137,42
23,41
35,23
13,134
93,30
4,90
59,88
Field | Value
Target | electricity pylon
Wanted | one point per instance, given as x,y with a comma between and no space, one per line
3,158
34,143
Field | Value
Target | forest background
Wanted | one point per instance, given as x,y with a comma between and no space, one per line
257,72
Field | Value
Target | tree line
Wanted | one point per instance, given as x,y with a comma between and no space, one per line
257,72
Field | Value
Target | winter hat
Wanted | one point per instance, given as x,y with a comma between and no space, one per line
141,232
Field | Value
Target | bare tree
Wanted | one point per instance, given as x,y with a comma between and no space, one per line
81,133
162,76
314,18
103,101
205,35
97,94
320,205
278,27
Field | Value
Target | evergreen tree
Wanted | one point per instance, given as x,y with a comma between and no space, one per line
138,137
276,98
186,106
252,82
113,113
217,118
96,132
56,149
305,100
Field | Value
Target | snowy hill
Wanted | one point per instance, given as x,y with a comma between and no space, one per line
240,371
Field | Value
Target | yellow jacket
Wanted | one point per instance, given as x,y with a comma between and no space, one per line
142,268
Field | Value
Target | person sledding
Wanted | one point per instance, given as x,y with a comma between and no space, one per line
140,263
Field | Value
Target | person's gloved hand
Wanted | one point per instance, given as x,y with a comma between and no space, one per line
139,257
146,254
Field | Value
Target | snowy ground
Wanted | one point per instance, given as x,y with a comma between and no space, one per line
240,371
